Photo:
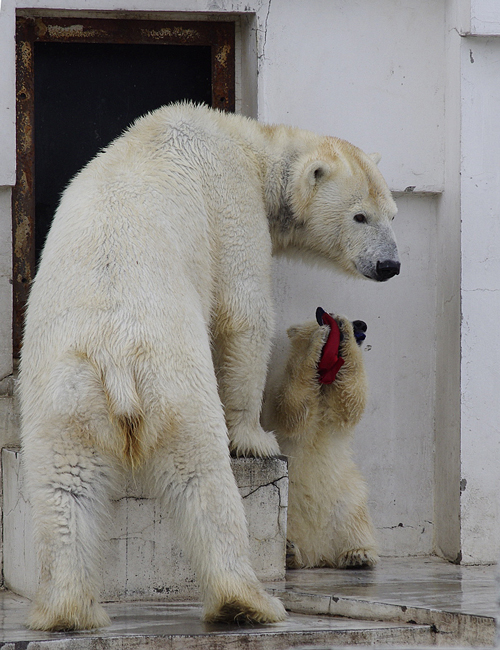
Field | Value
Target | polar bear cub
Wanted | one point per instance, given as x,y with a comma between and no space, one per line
328,519
148,333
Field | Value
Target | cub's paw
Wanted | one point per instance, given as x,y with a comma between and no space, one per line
252,442
293,556
316,344
357,558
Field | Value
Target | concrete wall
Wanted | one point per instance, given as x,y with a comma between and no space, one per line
390,76
480,297
394,442
368,72
447,411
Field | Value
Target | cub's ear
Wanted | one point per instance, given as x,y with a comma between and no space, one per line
376,157
292,331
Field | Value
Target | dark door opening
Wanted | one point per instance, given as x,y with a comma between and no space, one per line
88,93
80,83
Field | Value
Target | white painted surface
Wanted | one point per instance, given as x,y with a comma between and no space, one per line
385,74
480,298
485,17
7,93
395,438
5,282
447,410
7,179
370,72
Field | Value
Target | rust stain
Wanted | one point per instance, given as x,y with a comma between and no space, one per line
178,33
61,32
40,27
223,54
25,132
25,50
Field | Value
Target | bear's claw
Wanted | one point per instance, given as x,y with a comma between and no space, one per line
357,559
293,556
259,608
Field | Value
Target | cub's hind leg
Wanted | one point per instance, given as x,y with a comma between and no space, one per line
354,539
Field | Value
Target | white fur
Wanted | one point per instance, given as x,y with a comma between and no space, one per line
328,519
151,305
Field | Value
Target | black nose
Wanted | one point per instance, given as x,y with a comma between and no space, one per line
359,325
387,269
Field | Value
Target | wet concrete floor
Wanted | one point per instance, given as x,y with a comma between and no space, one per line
404,601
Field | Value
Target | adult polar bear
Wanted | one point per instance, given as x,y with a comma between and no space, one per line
160,252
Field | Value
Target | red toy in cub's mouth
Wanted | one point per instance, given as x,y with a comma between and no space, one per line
331,362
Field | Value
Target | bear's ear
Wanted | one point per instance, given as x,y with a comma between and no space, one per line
315,171
292,331
376,157
309,175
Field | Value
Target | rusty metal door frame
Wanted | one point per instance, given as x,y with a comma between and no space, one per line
220,36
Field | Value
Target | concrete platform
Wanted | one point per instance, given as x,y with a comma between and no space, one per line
142,559
178,626
458,602
403,602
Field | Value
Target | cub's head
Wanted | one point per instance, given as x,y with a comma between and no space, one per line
341,209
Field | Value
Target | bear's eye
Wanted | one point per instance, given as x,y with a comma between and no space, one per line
360,218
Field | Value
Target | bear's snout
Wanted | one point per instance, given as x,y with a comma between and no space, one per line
387,269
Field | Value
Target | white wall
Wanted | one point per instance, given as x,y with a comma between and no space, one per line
7,179
394,442
390,76
480,298
7,94
367,72
447,411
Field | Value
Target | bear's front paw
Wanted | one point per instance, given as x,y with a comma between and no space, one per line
253,442
357,558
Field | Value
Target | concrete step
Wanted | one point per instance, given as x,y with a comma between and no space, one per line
458,602
142,559
404,602
177,626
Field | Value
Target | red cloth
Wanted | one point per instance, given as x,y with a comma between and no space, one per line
330,362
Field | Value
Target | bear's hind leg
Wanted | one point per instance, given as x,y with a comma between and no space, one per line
67,483
354,534
192,471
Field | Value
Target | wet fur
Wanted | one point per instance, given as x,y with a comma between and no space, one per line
148,333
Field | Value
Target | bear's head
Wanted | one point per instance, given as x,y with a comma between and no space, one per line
340,210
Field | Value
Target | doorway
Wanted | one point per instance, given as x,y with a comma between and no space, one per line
80,83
